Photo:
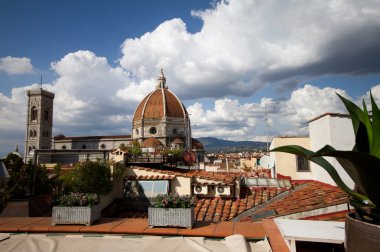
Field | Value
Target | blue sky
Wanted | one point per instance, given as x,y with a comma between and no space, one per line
228,61
45,31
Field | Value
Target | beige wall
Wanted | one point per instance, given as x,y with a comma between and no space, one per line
180,185
286,164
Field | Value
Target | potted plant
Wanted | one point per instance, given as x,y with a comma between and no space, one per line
82,187
172,210
362,164
76,208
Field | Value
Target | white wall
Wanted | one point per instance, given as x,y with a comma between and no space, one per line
336,131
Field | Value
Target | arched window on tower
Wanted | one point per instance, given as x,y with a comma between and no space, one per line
31,134
33,114
35,133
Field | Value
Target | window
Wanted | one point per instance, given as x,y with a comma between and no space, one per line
33,114
175,131
137,131
84,147
153,130
103,146
302,164
32,133
148,189
46,115
63,147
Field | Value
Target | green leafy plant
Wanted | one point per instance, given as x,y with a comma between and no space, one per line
78,199
174,201
177,152
362,164
87,178
135,149
26,179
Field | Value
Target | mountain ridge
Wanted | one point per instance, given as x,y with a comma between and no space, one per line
213,144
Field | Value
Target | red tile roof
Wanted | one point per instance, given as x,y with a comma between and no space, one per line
150,177
226,177
260,202
221,209
307,195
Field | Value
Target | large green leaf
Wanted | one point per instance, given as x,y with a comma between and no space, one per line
362,126
312,156
375,148
363,168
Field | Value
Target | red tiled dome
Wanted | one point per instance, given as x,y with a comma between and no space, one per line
160,103
151,142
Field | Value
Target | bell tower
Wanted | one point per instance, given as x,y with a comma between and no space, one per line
39,121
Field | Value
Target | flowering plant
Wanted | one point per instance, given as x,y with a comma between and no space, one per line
174,201
78,199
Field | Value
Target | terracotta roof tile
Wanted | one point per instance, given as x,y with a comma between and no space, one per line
305,197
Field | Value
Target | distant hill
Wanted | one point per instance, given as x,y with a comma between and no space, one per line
212,144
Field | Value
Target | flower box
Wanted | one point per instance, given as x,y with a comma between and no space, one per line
75,214
173,217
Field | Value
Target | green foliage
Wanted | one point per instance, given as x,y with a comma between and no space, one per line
362,164
78,199
13,162
174,201
118,172
90,177
135,149
25,177
176,152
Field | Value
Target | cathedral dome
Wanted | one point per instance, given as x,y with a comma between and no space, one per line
161,103
161,115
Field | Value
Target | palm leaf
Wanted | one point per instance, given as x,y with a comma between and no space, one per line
375,148
361,124
314,157
363,168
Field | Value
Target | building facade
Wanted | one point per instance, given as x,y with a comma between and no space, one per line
39,121
160,122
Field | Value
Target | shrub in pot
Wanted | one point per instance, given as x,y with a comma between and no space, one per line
172,210
362,164
82,186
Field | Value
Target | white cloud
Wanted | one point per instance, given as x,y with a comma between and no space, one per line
229,119
14,65
86,92
244,45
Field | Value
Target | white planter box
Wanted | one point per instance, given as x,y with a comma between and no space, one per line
173,217
75,215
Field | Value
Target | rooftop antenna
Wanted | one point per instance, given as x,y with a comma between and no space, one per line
268,123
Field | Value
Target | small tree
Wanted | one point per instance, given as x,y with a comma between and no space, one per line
136,148
25,177
88,177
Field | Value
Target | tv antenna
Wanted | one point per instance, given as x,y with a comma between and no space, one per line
268,122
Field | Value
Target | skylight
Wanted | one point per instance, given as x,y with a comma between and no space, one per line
266,182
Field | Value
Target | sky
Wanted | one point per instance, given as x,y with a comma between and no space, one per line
245,69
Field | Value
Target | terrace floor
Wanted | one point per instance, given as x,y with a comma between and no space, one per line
250,230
